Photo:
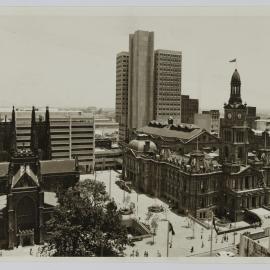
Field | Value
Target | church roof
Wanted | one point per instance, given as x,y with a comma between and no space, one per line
57,166
21,172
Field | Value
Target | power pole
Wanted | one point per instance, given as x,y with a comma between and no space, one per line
168,231
110,183
211,243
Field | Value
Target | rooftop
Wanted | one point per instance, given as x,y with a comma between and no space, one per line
57,166
183,132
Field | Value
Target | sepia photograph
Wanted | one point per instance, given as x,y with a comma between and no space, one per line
138,133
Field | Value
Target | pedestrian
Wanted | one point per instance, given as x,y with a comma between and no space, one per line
137,253
146,253
202,245
133,253
192,249
31,251
201,236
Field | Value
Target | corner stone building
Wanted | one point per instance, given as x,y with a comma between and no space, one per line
198,183
28,192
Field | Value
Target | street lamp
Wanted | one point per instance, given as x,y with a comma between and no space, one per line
169,229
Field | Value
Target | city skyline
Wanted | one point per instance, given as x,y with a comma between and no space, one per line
43,54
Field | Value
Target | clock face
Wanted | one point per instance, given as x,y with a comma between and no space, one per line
229,115
239,115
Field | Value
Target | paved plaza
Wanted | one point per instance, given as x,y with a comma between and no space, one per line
183,240
181,243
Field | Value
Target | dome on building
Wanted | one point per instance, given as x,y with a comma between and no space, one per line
143,145
235,78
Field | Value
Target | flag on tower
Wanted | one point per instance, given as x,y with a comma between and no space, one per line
233,60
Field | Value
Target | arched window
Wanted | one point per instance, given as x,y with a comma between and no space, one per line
26,214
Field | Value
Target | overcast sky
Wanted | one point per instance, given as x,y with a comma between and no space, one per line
68,58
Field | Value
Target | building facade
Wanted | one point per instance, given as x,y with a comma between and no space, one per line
189,107
121,106
167,85
189,183
58,135
140,79
28,191
231,185
148,84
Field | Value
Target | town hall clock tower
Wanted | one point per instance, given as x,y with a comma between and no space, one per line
233,128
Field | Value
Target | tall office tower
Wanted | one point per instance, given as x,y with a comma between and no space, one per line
121,106
189,107
167,85
140,79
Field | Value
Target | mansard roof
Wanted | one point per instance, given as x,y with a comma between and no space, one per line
184,132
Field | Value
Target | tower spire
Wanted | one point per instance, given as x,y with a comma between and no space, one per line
48,135
13,137
34,139
235,96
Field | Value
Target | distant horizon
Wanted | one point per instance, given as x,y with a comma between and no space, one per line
61,59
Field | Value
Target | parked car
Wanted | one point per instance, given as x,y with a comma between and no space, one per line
225,254
123,185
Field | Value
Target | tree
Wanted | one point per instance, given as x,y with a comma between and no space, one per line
86,223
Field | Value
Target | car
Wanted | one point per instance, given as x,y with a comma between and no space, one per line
122,184
225,254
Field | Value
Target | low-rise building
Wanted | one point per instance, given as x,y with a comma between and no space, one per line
108,158
255,244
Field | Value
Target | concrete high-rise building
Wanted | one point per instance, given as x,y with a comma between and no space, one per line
148,84
189,107
121,106
167,85
141,79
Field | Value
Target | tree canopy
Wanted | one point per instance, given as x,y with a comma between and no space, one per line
86,223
